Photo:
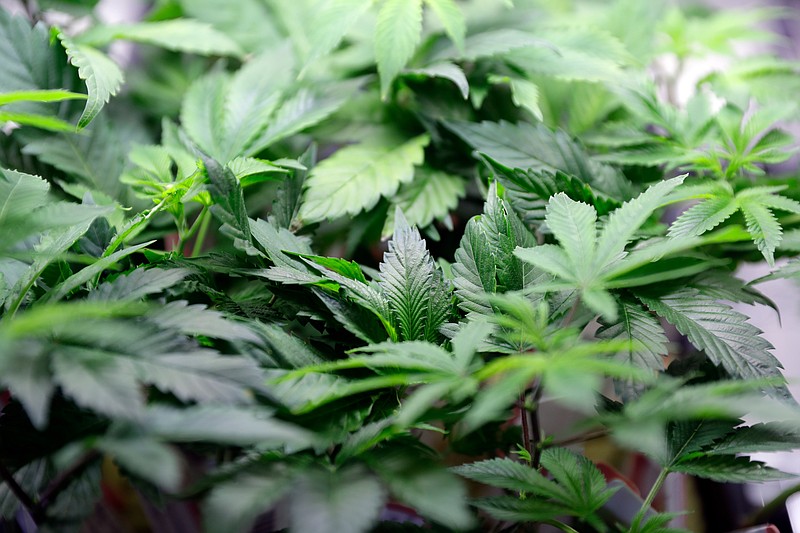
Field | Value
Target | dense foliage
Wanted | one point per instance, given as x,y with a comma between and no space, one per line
195,289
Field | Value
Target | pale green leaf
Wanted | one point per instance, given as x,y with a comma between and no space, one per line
703,217
573,224
102,76
332,20
449,14
355,177
397,33
431,196
445,70
179,35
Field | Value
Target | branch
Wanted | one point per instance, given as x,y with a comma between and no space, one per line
15,488
61,482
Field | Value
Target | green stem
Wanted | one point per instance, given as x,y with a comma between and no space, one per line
201,235
192,230
133,225
648,502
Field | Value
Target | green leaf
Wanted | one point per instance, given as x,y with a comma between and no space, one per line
37,121
331,22
306,108
475,270
703,217
451,17
235,426
226,191
729,469
226,115
412,284
764,227
355,177
537,147
86,274
179,35
102,76
622,223
511,475
98,382
426,487
96,156
431,196
721,332
138,284
288,197
445,70
766,437
146,458
44,95
643,330
397,33
234,505
573,224
345,501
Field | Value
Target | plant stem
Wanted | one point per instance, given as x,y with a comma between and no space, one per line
192,230
15,488
662,476
61,482
201,235
583,437
536,434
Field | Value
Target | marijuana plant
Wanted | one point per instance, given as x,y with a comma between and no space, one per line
316,264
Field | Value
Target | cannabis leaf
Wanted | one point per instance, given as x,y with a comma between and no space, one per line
413,285
102,76
714,327
355,177
593,263
432,195
180,35
578,488
485,262
756,204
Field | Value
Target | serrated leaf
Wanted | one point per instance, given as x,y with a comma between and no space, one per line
721,332
102,76
622,223
138,284
397,33
179,35
729,469
302,110
767,437
202,376
236,426
331,22
573,224
764,228
703,217
86,274
647,337
431,196
96,156
511,475
410,281
475,271
536,147
355,177
451,17
97,381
